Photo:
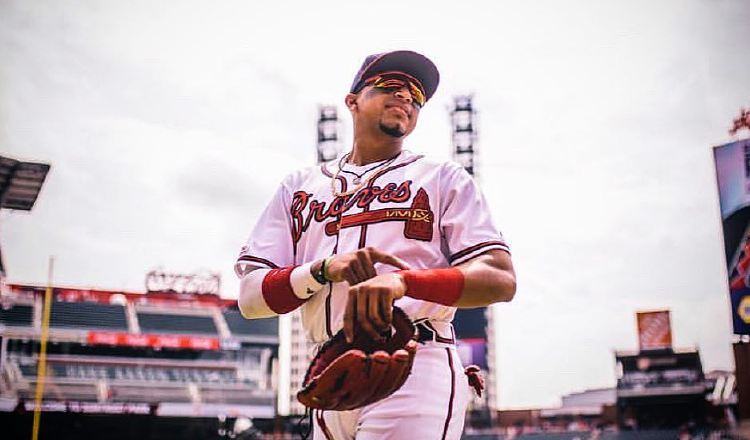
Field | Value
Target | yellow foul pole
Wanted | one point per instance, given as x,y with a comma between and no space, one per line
41,370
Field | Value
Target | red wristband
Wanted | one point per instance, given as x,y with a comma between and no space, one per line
278,292
442,286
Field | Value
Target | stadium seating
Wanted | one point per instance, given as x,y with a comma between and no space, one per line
126,393
656,434
138,373
17,315
572,435
246,396
166,323
88,315
185,363
240,326
27,370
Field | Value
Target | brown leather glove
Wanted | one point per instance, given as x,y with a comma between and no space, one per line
345,376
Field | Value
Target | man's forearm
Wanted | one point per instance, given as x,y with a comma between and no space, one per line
488,279
484,280
251,302
269,292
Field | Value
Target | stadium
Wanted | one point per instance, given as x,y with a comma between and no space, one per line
179,360
187,361
167,128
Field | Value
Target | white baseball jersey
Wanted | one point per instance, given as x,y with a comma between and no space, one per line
430,214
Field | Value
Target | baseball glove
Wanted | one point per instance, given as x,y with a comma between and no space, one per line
345,376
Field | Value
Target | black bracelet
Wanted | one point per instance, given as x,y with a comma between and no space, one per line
320,274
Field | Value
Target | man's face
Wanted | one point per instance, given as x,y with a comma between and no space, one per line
390,104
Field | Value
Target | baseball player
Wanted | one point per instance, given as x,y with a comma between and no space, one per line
380,226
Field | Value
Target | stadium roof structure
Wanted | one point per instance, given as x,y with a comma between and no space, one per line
20,183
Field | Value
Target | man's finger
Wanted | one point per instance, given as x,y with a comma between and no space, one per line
367,264
349,276
349,314
374,312
358,272
363,319
380,257
386,307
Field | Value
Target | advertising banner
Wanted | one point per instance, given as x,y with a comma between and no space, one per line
156,341
654,330
733,178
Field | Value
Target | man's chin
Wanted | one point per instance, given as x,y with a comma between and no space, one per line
392,130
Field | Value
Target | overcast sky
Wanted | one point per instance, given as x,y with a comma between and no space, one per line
168,126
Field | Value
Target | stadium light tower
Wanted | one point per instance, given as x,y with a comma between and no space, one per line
328,133
464,132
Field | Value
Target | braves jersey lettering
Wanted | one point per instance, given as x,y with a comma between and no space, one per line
430,214
391,193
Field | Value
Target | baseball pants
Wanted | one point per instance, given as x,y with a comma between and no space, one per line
431,404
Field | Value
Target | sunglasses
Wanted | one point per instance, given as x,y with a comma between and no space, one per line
394,83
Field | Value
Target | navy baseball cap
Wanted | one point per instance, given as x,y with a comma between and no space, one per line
406,61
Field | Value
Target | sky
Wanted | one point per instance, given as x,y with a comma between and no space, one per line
169,125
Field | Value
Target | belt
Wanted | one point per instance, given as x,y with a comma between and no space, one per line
428,331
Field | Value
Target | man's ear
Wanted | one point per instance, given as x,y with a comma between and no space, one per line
351,101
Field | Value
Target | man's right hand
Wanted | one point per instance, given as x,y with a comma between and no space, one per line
358,266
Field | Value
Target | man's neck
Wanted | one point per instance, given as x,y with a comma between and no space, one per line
366,151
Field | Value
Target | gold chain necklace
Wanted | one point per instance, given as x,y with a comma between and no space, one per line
362,181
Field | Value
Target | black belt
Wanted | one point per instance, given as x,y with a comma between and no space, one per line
427,332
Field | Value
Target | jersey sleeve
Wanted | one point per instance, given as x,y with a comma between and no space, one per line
270,243
466,224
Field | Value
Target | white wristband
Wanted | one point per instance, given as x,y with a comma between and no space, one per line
303,283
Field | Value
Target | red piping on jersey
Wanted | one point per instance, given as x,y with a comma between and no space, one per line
322,424
453,393
324,170
329,330
268,263
363,236
393,167
476,247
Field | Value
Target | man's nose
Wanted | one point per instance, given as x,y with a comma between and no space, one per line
404,94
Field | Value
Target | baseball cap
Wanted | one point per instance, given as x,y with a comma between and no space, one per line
406,61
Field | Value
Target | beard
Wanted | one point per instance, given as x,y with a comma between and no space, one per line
394,130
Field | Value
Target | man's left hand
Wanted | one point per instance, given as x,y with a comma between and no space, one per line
370,305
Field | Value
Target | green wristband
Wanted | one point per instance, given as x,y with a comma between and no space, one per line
320,275
324,268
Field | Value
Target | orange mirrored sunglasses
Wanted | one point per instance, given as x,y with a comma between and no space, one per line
396,82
